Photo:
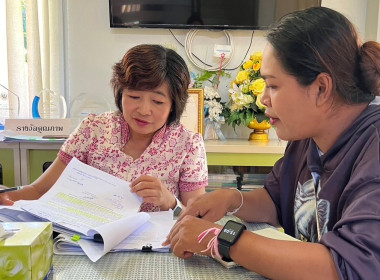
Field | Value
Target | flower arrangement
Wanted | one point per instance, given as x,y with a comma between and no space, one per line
212,100
213,107
244,103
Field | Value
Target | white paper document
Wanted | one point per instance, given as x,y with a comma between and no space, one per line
84,198
87,201
275,234
148,237
15,213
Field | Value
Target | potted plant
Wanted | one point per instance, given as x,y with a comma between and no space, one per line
244,106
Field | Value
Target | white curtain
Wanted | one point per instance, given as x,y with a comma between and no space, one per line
37,67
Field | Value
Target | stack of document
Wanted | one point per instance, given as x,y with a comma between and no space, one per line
85,203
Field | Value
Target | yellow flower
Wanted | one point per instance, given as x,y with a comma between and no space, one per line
245,93
242,76
258,102
248,64
257,56
256,66
240,100
257,86
245,88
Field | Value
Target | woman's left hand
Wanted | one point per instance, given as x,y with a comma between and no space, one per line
183,238
153,191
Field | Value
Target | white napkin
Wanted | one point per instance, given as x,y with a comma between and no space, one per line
4,233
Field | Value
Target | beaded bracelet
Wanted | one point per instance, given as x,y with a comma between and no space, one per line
237,209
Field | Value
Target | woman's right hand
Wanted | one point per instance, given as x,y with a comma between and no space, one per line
212,206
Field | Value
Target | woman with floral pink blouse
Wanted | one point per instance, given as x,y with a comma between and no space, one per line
142,142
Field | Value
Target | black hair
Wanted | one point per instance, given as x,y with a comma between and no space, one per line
319,39
146,67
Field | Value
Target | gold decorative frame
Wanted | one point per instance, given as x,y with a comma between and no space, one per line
193,115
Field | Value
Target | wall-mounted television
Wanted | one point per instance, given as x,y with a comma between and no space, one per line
202,14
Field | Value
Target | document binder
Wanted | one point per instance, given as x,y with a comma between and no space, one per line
147,248
98,238
104,211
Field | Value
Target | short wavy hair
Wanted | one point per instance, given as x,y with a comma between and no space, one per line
146,67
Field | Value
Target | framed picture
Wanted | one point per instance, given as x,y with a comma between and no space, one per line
193,115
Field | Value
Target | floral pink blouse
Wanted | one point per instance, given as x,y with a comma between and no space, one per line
176,155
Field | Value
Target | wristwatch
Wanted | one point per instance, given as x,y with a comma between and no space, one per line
177,208
228,237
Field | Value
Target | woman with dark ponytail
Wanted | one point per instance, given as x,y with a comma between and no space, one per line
322,87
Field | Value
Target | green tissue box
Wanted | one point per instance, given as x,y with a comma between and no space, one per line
28,253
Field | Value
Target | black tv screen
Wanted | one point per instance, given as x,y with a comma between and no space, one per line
202,14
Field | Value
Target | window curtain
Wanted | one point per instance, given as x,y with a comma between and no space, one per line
33,65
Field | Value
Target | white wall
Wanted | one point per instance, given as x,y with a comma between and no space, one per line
372,21
3,47
363,13
92,47
354,10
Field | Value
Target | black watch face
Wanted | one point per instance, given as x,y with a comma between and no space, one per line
177,211
231,231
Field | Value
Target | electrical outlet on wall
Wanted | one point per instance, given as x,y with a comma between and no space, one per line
222,49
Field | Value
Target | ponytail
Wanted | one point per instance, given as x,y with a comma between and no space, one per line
369,64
